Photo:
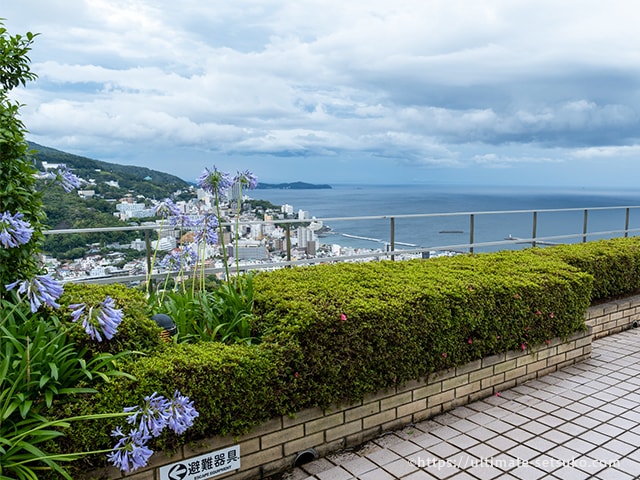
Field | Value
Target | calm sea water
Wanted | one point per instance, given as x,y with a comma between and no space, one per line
367,200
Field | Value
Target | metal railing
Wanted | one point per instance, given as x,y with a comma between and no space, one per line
622,217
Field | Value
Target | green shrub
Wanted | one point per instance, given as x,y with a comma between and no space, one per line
614,264
408,319
137,332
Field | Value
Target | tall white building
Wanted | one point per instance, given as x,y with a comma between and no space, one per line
305,235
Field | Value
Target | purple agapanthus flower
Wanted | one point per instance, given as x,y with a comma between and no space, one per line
167,209
148,421
131,451
14,231
246,179
152,417
214,181
182,413
207,231
103,319
41,289
179,259
67,179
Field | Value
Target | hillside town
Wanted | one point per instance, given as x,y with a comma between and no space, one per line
249,234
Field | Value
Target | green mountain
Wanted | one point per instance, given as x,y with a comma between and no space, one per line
137,180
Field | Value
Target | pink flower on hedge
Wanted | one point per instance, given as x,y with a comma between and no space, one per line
470,341
523,346
343,317
551,315
538,312
444,354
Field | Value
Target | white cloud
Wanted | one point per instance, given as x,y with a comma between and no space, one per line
429,84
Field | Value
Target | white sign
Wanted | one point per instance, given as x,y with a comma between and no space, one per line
204,466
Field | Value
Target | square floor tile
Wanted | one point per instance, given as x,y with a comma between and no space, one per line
523,453
383,456
527,472
359,465
336,473
481,433
400,468
483,451
499,426
501,443
443,450
519,435
463,441
570,473
378,474
587,422
556,436
405,448
619,447
485,472
579,446
540,444
594,437
426,440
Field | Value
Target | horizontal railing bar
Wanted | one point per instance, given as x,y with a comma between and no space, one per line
334,219
337,259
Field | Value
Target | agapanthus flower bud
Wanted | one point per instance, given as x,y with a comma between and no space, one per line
14,231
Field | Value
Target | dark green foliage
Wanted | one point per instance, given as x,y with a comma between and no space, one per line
215,311
160,185
137,332
407,319
614,264
335,333
17,185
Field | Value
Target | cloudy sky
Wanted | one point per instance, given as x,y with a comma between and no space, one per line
517,92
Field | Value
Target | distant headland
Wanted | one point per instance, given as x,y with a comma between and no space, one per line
292,186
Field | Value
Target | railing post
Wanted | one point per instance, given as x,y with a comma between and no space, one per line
584,226
392,239
626,224
288,237
535,228
471,232
147,246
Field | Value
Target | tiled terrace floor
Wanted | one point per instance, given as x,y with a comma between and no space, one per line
581,422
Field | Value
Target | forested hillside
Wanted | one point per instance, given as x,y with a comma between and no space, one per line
69,210
141,180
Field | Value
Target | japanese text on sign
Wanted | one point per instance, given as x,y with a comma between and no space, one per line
204,466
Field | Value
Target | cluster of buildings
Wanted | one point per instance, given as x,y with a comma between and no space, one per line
249,236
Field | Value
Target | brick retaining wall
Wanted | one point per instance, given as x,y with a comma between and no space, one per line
274,446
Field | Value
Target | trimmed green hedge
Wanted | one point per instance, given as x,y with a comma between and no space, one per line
614,264
408,319
334,333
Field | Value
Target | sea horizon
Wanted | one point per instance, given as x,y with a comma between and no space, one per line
366,200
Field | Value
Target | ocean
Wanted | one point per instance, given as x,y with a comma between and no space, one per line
395,200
